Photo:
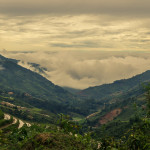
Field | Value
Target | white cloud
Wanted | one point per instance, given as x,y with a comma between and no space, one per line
88,32
81,69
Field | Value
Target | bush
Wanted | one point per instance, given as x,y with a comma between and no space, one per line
1,115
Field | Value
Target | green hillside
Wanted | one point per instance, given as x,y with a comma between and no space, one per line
117,117
40,136
108,91
15,77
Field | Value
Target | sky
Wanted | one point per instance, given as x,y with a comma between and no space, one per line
110,25
81,43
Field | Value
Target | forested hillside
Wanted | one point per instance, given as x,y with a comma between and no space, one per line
15,77
108,91
42,92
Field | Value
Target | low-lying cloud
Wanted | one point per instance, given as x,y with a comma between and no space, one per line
81,69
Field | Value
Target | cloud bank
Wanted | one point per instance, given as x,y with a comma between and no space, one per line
81,69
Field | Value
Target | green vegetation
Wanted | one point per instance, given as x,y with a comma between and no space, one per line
20,108
132,135
34,90
16,78
109,117
45,137
107,92
5,122
67,134
1,115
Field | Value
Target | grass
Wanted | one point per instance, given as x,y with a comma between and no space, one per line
35,109
77,119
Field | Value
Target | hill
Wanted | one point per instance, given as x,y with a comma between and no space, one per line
41,92
39,136
72,90
15,77
27,107
109,91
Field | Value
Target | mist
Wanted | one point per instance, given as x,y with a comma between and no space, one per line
83,69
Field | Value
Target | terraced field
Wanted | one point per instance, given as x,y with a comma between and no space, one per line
7,121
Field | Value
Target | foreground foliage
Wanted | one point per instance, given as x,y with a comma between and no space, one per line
136,138
42,137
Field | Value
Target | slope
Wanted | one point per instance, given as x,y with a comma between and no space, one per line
108,91
15,77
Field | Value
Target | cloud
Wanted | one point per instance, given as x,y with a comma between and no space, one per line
81,44
70,24
73,32
113,7
81,69
73,25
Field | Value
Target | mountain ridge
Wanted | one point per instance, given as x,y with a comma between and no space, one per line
118,86
14,76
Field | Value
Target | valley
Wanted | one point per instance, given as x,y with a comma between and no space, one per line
33,108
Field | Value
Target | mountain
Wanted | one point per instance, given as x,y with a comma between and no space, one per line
42,93
27,108
34,67
2,58
45,94
15,77
72,90
109,91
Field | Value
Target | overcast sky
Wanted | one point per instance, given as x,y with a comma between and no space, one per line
81,43
74,24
